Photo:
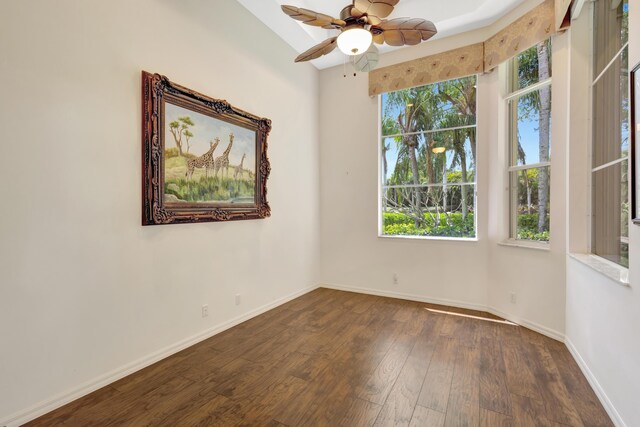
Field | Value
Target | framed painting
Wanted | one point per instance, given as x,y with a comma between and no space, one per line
202,159
635,140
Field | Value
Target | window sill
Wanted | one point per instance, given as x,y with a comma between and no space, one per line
613,271
441,238
539,246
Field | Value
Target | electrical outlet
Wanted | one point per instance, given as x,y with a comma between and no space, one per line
395,278
205,310
238,299
513,297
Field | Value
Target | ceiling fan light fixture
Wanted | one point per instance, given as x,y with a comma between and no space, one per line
360,23
354,41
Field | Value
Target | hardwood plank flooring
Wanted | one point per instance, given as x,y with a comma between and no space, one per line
333,358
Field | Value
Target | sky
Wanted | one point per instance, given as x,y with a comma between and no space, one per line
206,129
530,140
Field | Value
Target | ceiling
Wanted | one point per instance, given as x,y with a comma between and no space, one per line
450,17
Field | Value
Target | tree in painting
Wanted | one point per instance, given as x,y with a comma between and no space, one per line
179,129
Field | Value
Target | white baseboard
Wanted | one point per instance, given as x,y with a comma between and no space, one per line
595,385
49,405
551,333
410,297
453,303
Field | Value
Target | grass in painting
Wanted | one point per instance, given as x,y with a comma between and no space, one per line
203,188
210,189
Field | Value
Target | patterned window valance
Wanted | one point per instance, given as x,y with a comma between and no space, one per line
443,66
535,26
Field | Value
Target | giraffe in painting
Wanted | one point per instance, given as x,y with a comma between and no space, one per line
223,160
203,161
239,169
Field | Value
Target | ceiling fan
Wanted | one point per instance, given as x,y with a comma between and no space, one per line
360,24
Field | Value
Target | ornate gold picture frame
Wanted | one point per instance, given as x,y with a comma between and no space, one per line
202,159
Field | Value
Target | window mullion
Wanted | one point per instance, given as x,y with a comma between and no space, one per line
528,89
531,166
612,163
422,132
448,184
606,68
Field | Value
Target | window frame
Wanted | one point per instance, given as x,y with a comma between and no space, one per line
511,130
382,187
620,269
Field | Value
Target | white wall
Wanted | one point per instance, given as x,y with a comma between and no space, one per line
354,257
85,290
536,276
602,316
352,254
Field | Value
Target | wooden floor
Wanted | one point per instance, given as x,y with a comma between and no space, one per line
332,358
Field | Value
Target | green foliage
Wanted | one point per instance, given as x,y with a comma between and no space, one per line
528,179
528,228
533,235
389,126
452,225
528,66
209,189
528,221
449,225
395,218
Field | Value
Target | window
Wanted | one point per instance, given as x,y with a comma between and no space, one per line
529,140
610,133
428,160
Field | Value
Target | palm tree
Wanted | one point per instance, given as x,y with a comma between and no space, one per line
460,94
388,128
544,53
415,110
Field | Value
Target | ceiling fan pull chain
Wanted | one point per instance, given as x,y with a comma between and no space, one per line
344,66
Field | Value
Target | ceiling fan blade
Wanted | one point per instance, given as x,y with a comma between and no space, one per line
378,38
379,8
406,31
310,17
373,20
318,50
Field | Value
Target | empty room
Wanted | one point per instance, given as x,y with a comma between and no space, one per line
320,213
